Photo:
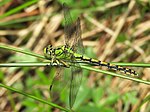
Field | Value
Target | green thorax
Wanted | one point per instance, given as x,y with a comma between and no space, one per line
62,52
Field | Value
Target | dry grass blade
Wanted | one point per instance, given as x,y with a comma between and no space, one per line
112,31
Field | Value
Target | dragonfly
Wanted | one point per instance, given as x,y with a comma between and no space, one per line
72,54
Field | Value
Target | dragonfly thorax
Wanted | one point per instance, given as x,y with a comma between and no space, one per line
61,52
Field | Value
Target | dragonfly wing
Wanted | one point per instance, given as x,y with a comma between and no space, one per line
77,43
72,31
55,86
58,85
75,82
68,28
73,40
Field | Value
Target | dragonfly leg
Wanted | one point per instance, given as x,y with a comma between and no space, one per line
64,63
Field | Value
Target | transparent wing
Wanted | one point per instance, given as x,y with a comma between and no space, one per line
77,43
72,31
73,40
76,71
55,88
75,82
59,85
68,28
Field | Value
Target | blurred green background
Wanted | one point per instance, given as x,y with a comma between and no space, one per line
112,31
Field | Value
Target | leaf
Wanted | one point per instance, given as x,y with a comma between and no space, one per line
97,94
42,77
1,75
112,99
121,37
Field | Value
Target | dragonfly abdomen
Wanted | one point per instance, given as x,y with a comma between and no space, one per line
95,62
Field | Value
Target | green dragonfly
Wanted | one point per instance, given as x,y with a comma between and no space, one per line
71,55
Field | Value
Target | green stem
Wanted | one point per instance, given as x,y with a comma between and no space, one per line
132,64
12,48
43,64
17,9
116,75
28,64
33,97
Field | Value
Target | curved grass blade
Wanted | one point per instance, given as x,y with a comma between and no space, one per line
33,97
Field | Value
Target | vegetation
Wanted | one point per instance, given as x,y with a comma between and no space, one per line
112,30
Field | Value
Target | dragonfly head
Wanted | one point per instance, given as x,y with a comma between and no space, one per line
48,52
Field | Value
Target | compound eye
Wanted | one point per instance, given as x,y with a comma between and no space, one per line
48,52
50,47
